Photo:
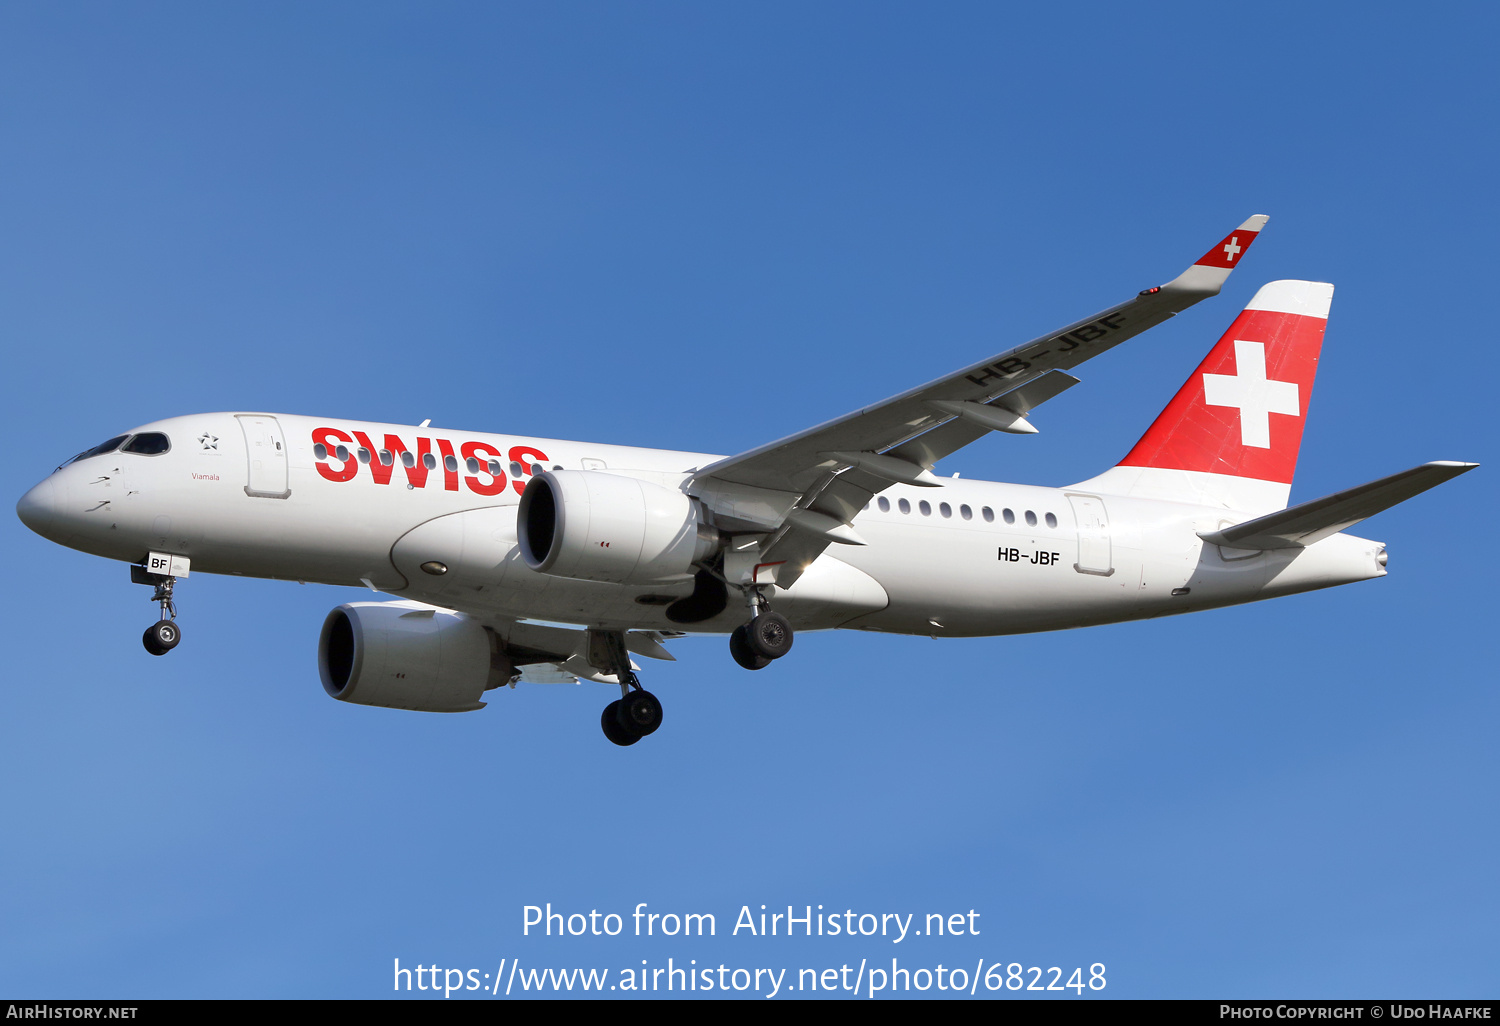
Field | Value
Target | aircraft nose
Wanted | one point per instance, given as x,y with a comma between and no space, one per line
41,509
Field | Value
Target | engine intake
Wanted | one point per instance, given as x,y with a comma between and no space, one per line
406,655
591,526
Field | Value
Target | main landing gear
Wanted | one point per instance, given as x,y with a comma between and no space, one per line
637,712
767,637
162,636
632,716
754,645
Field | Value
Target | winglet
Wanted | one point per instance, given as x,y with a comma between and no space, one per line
1208,275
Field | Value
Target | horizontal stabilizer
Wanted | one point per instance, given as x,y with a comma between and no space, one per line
1309,522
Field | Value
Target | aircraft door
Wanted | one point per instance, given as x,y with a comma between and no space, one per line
265,451
1094,551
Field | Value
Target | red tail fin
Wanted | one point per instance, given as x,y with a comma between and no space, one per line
1241,413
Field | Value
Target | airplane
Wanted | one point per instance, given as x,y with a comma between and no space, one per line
518,559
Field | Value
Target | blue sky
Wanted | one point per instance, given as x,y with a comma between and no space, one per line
615,222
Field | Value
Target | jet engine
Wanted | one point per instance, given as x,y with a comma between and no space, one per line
406,655
592,526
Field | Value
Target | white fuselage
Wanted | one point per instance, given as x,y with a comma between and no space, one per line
939,561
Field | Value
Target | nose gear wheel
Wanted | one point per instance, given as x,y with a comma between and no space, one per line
161,637
164,635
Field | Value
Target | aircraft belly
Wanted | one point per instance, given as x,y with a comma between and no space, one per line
472,562
829,593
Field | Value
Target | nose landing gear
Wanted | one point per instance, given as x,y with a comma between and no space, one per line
162,636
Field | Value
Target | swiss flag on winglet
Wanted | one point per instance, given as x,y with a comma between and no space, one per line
1228,252
1242,411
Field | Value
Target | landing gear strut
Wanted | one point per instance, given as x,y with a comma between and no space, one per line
637,712
162,636
768,636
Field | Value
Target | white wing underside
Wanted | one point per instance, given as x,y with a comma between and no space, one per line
545,673
546,653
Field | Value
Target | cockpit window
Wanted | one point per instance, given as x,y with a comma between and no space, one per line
150,443
100,449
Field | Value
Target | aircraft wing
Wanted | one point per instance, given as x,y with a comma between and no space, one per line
544,653
807,487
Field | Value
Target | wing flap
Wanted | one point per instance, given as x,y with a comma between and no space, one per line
947,438
1029,396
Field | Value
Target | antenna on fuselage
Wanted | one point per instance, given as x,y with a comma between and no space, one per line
425,422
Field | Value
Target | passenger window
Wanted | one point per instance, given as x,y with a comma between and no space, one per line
363,454
1010,516
471,465
965,512
1051,520
386,458
494,468
1030,519
342,452
429,461
945,509
515,469
925,507
320,451
152,443
885,504
989,515
904,506
450,464
408,460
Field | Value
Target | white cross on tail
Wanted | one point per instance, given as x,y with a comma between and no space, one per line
1256,397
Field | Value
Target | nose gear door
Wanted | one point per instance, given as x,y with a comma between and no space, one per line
265,450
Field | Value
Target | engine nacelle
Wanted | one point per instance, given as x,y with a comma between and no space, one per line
406,655
592,526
